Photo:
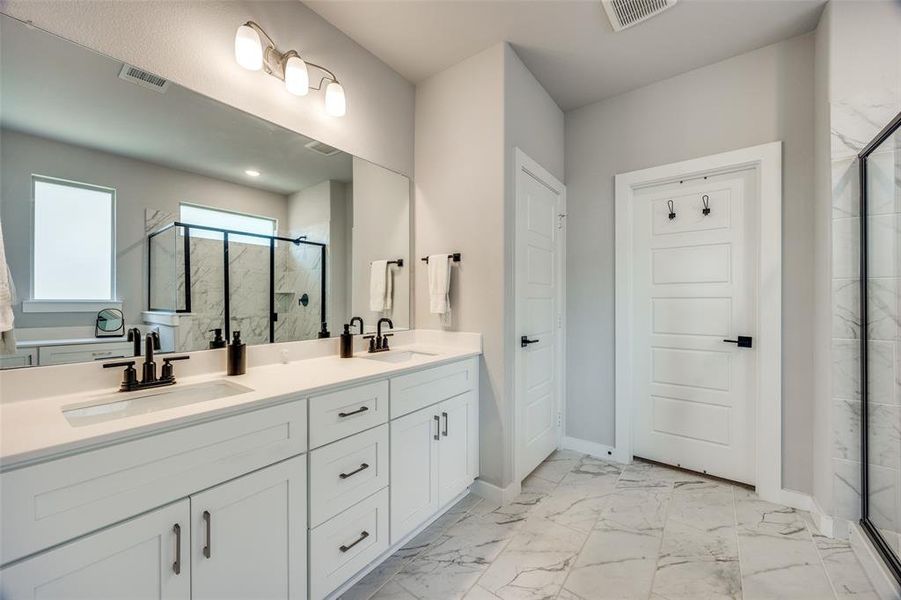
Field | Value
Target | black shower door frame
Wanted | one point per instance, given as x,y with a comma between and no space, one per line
273,316
891,559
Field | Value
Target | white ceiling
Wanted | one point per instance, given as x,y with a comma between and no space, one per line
56,89
568,45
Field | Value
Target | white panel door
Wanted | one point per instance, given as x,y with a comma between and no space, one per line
540,207
414,470
145,558
248,536
457,446
695,287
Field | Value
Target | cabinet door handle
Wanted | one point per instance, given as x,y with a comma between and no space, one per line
176,566
363,536
444,433
362,467
362,409
207,551
437,427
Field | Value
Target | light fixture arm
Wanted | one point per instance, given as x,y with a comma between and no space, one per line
274,60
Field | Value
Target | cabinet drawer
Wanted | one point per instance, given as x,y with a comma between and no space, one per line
343,473
23,357
58,500
423,388
340,414
347,543
60,355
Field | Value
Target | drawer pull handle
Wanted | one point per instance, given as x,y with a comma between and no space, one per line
363,467
176,566
363,536
437,427
362,409
444,433
209,526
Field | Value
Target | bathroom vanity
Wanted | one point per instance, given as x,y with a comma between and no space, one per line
291,481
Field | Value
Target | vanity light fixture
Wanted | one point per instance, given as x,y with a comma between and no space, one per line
252,173
255,50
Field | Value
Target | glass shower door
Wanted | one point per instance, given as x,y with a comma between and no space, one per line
880,170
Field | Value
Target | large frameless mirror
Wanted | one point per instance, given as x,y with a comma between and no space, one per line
122,190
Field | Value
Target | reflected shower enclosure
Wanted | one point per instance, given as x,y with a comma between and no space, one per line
270,288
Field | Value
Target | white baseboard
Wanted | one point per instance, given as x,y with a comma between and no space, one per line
593,449
495,494
825,523
883,581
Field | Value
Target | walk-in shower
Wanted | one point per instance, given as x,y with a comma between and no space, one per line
880,348
271,288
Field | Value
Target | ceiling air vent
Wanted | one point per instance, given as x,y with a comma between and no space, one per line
323,149
626,13
143,78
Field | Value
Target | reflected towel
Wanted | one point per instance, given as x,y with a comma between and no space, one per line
439,284
379,286
7,299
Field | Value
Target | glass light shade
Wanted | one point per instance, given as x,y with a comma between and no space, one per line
335,103
248,48
297,79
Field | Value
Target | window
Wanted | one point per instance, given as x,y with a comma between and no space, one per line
74,241
223,219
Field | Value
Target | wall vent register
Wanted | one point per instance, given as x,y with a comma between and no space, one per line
144,79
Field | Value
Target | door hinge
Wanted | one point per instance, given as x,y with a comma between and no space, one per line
559,418
560,220
559,321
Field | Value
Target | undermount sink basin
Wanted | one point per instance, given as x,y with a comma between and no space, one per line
128,404
397,356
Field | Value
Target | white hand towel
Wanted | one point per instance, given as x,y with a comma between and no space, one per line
7,295
439,284
378,285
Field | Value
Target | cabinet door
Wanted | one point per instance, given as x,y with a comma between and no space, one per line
457,450
414,471
248,536
144,558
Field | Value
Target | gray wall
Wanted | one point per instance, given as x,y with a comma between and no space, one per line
138,185
192,43
468,120
757,97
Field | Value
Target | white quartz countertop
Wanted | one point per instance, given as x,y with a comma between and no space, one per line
36,429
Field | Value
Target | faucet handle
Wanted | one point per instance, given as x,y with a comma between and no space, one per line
129,376
371,339
168,372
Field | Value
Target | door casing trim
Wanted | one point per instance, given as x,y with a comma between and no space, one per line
766,159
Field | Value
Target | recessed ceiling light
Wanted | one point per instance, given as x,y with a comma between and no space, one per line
252,172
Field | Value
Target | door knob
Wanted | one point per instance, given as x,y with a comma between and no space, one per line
743,341
525,341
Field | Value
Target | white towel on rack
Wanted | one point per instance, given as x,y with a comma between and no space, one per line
439,284
7,299
380,288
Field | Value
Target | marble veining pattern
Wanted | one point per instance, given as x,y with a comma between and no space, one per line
586,529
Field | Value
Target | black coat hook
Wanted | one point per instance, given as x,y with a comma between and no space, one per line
706,200
672,209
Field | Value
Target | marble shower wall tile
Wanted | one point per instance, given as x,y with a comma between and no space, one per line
884,309
846,430
846,309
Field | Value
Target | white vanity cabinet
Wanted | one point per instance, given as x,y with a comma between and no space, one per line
290,501
248,536
146,557
434,450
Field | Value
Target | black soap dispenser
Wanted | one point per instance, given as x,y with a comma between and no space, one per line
237,355
347,343
218,341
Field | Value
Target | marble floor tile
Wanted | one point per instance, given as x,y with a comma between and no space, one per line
691,578
535,562
557,465
849,581
586,529
775,566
